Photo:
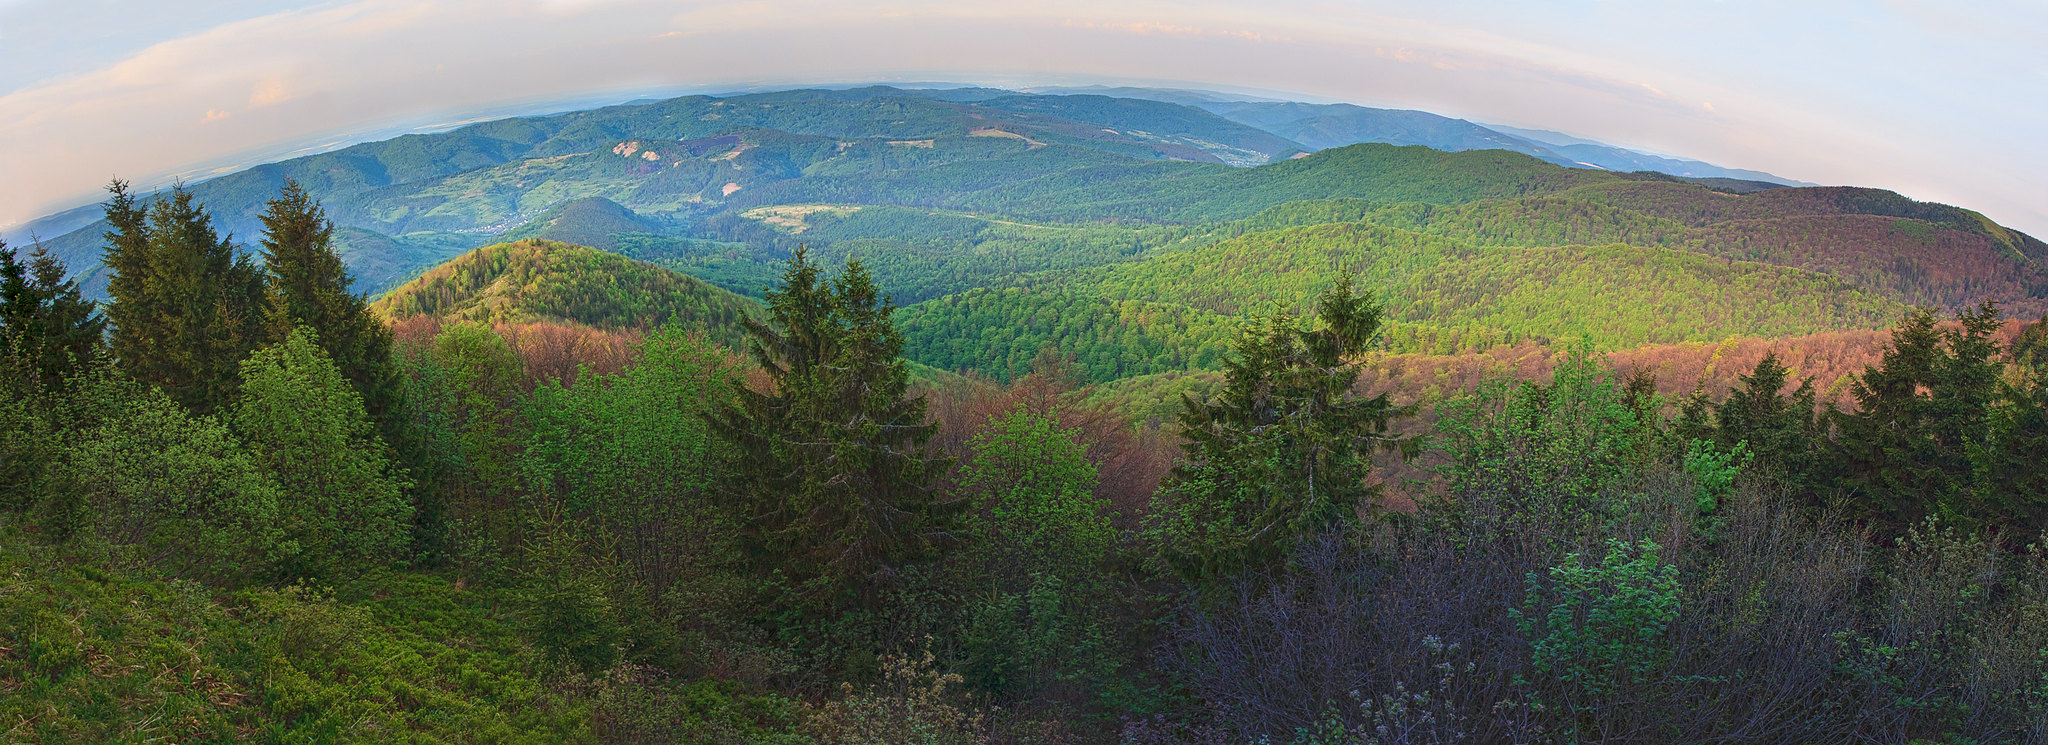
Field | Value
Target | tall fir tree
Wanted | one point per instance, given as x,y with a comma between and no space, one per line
45,319
307,286
833,474
1781,429
187,307
1904,453
1282,454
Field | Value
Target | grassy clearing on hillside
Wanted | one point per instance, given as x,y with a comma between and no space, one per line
97,653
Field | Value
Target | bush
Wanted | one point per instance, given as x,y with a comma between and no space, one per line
910,706
341,500
181,490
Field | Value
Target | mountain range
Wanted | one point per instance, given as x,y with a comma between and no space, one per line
1136,229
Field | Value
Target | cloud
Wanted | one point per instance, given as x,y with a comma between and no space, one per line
1151,27
268,92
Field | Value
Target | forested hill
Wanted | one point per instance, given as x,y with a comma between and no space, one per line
1380,444
684,173
1180,310
1137,235
537,280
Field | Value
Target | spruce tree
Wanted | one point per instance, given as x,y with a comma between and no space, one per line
45,319
833,474
187,306
1782,430
13,288
1905,451
307,286
2012,486
1282,454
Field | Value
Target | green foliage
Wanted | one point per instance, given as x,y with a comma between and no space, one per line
1784,432
1283,451
187,306
1037,538
633,454
634,447
1601,627
1567,451
1904,451
28,437
1037,507
469,399
44,319
127,657
538,280
1715,470
2011,490
342,502
570,582
306,286
181,490
1145,317
831,464
999,332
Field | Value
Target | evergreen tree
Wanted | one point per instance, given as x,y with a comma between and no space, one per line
833,472
306,285
2012,485
1782,430
1283,452
341,501
45,319
187,307
2030,349
13,289
1905,451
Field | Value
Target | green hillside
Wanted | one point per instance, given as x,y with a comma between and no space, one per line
537,280
966,189
1177,309
1924,260
134,656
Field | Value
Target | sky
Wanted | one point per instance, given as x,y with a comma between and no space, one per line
1941,100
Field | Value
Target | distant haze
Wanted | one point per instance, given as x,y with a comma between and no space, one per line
1940,101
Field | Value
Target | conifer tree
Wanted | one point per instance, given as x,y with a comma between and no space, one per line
1283,452
1782,430
13,287
1905,450
2012,485
306,285
187,307
45,319
833,473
